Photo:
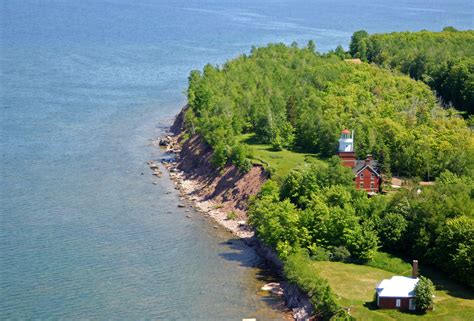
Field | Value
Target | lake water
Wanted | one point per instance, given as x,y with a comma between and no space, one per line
84,85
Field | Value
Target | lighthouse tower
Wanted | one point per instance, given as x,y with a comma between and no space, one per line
346,148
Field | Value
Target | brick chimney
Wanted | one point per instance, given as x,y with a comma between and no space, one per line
414,269
368,159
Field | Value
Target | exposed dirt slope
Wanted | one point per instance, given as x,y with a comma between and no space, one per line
178,124
228,186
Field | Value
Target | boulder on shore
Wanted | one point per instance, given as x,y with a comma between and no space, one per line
273,287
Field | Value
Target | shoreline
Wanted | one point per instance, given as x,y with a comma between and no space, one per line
208,196
188,189
195,193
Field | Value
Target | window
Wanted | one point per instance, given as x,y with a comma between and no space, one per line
411,305
361,185
398,303
361,176
372,176
372,185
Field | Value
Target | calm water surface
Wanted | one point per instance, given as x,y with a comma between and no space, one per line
84,85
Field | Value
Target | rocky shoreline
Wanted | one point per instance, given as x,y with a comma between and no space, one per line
216,194
188,188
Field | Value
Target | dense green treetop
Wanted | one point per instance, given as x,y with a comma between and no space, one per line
434,224
444,60
295,98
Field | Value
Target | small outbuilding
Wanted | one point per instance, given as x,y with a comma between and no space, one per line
398,292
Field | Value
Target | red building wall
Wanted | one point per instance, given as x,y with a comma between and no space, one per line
391,303
367,180
348,159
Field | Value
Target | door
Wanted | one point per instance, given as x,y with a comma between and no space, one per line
398,303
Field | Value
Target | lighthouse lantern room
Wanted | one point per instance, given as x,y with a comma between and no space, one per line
346,141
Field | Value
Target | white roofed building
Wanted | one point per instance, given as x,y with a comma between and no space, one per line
398,292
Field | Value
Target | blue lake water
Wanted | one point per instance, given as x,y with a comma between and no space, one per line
84,85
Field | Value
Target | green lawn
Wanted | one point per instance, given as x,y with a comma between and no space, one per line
282,162
354,285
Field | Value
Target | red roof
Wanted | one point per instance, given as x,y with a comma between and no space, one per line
346,131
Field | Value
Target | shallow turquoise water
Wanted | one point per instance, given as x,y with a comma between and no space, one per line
84,85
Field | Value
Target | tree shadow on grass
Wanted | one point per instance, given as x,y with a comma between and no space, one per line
252,140
371,305
442,283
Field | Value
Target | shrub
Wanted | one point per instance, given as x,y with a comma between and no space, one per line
232,215
340,254
240,157
220,156
424,291
245,165
342,315
277,144
318,253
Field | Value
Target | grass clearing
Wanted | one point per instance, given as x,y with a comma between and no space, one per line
282,162
388,262
355,287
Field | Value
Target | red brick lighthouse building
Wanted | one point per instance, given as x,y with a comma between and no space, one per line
366,175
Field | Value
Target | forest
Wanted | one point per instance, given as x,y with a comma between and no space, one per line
319,210
443,60
298,99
